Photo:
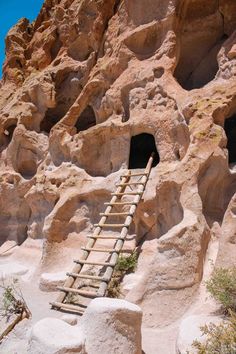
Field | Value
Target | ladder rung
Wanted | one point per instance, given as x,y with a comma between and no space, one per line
130,184
127,193
85,276
95,263
121,203
115,214
103,250
107,237
77,291
67,307
111,225
136,174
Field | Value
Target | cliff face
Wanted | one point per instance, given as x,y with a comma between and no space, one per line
78,84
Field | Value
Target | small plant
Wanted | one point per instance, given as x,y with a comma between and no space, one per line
13,302
114,290
13,307
222,287
220,338
125,265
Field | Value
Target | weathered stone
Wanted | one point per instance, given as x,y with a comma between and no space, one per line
50,281
53,336
112,323
78,84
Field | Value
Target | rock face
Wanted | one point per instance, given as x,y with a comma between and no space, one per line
79,84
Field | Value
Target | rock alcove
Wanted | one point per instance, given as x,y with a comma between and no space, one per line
86,120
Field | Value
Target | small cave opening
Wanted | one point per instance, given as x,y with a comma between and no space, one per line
9,132
141,148
230,130
49,120
86,120
196,68
67,89
7,136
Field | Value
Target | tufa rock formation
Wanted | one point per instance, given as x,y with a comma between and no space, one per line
87,84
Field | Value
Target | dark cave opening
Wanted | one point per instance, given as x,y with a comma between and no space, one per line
49,120
196,68
86,120
7,136
230,130
9,132
141,148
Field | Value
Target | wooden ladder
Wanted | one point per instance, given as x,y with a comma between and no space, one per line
72,296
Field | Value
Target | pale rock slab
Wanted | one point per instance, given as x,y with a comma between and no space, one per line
50,281
53,336
112,325
11,270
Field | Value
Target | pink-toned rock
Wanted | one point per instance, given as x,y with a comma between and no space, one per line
80,85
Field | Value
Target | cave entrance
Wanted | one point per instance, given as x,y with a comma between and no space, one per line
9,132
141,148
49,120
86,120
198,64
230,130
6,137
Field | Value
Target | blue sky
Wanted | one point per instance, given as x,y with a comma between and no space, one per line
10,12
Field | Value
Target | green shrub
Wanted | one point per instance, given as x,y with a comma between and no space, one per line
222,287
220,339
12,301
125,265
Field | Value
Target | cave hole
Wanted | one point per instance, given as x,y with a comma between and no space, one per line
86,120
8,132
6,137
230,130
198,64
67,90
49,120
141,148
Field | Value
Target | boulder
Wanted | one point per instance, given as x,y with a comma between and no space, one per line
112,326
50,281
53,336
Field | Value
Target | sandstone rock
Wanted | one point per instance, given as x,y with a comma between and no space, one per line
11,270
7,247
53,336
112,325
79,84
70,319
189,331
50,281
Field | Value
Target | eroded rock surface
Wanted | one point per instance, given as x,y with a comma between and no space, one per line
78,84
